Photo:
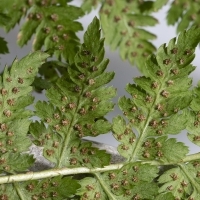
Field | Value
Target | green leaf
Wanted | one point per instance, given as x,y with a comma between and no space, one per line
125,183
82,153
55,28
16,162
165,196
3,46
158,4
184,14
182,181
43,189
53,23
49,188
164,150
194,117
127,19
125,136
174,14
90,189
159,102
4,19
7,191
88,5
11,8
14,124
29,29
78,102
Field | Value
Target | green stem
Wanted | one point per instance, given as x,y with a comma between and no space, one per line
191,157
55,172
82,170
143,134
68,136
64,145
105,187
140,140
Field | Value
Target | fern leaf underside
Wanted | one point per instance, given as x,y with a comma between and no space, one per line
158,107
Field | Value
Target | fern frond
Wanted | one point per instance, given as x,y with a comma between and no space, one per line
166,195
58,188
77,104
132,181
127,19
54,27
194,120
183,13
158,108
88,5
53,23
192,169
143,6
158,102
15,8
181,181
14,124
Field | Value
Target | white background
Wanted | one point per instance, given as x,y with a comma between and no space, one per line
124,71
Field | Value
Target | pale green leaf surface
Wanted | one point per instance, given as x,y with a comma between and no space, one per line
30,28
158,149
125,183
173,14
7,191
60,39
16,162
159,99
175,128
78,102
165,196
194,117
47,139
14,123
90,187
183,13
127,19
53,23
83,153
196,99
182,181
125,136
58,187
12,8
88,5
158,4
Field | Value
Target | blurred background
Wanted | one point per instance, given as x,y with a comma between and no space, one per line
124,72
